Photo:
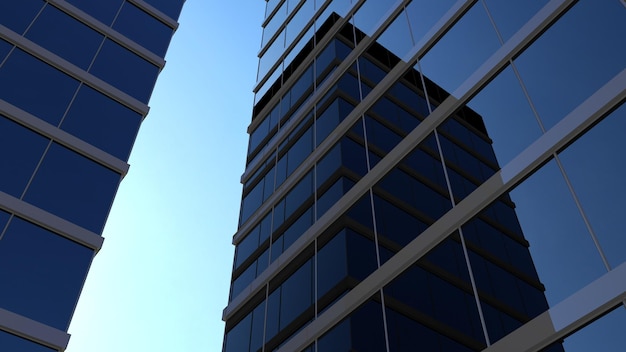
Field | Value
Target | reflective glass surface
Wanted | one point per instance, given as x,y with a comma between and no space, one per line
17,15
103,11
36,87
111,126
144,29
65,36
73,187
169,7
5,47
125,70
43,273
21,151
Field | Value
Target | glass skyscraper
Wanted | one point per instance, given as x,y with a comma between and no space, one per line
436,176
75,80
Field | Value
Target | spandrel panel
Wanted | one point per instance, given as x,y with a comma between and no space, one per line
17,15
144,29
65,36
510,16
461,51
10,342
42,273
507,115
125,70
112,127
595,166
104,11
36,87
18,166
73,187
574,58
562,249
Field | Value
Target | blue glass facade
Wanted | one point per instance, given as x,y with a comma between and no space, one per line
435,176
75,78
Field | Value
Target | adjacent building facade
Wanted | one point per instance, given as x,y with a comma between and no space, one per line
75,80
438,176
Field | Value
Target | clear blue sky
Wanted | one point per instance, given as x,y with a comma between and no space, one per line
162,277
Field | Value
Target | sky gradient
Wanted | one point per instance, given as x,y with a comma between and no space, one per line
161,280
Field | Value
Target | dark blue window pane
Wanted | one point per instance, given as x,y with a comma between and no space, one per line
36,87
4,49
300,193
17,15
4,217
337,339
332,264
73,187
111,126
21,149
169,7
244,280
238,338
125,70
104,11
65,36
144,29
297,294
248,245
41,273
258,320
10,343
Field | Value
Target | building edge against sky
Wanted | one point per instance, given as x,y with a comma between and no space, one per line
76,77
554,131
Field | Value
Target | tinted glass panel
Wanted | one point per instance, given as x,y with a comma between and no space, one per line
111,126
73,187
17,15
42,273
10,342
4,50
125,70
65,36
20,152
36,87
144,29
104,11
169,7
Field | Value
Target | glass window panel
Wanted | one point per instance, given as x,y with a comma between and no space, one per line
21,151
298,228
144,29
251,202
561,248
104,11
247,246
519,129
42,273
605,334
65,36
271,55
299,20
111,127
510,16
367,328
73,187
595,165
272,26
574,57
300,150
397,37
297,294
10,342
258,321
423,14
125,70
238,338
461,50
5,48
299,194
396,224
36,87
332,264
243,280
370,14
17,15
406,333
169,7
